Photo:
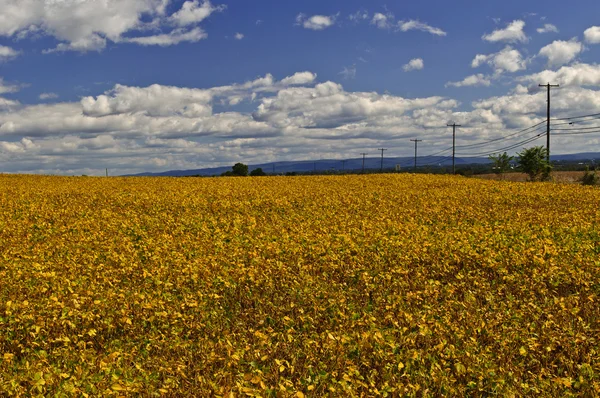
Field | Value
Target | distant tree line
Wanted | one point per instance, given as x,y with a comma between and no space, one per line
532,161
241,170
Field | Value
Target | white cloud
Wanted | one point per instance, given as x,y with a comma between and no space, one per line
7,53
239,36
90,25
358,16
134,129
316,22
8,88
348,72
548,28
561,52
506,60
512,33
473,80
175,37
382,21
192,12
6,104
299,78
405,26
47,96
162,101
574,75
414,64
592,35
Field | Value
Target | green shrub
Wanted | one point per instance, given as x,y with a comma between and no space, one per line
590,178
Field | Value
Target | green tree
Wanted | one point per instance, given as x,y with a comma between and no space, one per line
533,161
240,170
258,172
501,162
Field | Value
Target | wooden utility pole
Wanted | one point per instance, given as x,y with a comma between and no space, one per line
548,86
454,126
363,168
416,143
382,149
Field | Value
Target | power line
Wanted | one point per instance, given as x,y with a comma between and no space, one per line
440,152
440,161
502,138
578,117
579,132
512,146
578,128
576,121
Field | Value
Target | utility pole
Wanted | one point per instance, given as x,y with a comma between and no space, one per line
343,165
382,149
454,126
416,142
107,172
363,155
548,86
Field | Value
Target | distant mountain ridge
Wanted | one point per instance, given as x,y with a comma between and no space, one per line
373,163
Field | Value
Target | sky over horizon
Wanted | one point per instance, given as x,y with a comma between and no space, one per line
155,85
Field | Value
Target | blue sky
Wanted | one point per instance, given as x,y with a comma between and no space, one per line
149,85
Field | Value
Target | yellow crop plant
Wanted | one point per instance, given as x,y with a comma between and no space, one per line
350,286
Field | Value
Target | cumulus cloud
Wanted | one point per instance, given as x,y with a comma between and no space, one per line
473,80
8,54
574,75
512,33
316,22
48,96
561,52
300,78
548,28
168,39
414,64
382,21
592,35
239,36
405,26
6,104
387,21
8,88
193,12
154,128
506,60
89,25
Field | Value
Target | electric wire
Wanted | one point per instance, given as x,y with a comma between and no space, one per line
503,138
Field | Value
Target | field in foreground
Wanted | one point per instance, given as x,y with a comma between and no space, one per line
393,285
